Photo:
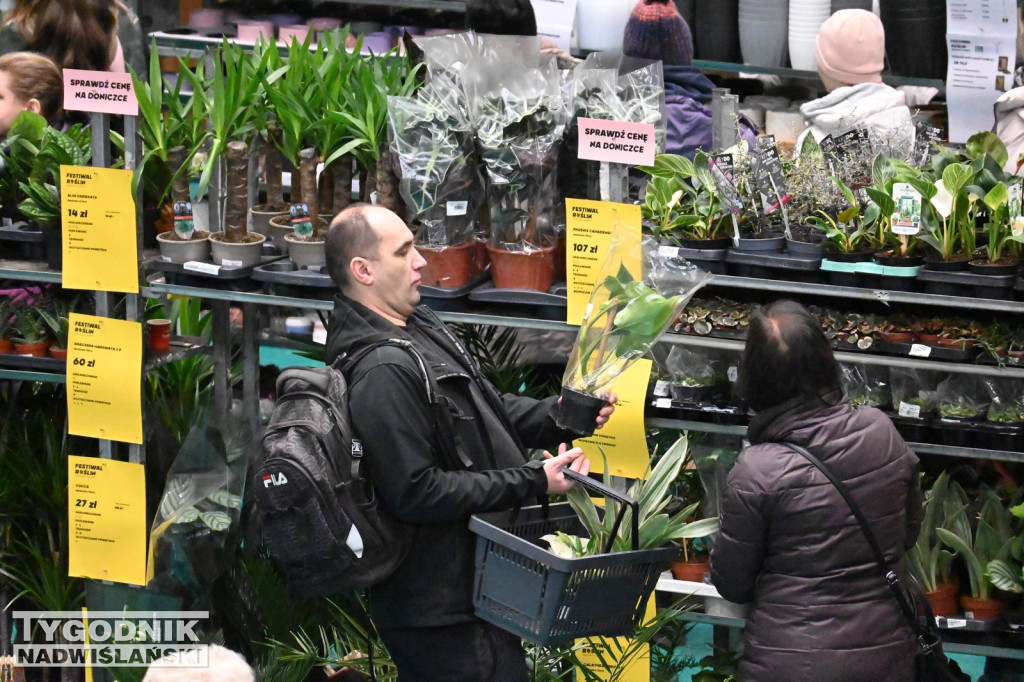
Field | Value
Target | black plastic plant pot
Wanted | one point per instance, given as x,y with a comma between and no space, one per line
946,265
770,243
691,394
577,412
984,267
805,247
897,261
895,283
717,243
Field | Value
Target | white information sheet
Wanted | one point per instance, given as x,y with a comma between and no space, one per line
982,42
555,20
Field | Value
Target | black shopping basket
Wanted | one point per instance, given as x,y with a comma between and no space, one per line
547,599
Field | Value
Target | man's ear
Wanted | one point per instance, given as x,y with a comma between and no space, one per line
361,271
34,106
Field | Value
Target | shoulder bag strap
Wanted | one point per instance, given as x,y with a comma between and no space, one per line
891,578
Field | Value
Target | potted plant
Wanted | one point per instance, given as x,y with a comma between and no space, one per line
55,315
989,539
6,323
432,139
929,559
1004,234
656,526
361,114
184,242
950,229
29,335
33,155
229,98
1008,573
626,315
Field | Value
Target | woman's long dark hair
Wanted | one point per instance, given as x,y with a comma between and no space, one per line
75,34
786,355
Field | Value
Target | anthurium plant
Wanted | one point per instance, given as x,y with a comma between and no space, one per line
682,201
628,309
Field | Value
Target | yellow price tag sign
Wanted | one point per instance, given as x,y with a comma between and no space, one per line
107,520
588,236
104,378
623,438
98,226
606,656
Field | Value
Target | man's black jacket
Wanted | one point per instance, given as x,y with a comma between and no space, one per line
422,487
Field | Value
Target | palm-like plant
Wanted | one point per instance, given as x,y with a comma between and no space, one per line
928,559
362,116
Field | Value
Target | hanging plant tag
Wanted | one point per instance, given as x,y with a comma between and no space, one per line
906,219
184,224
1016,200
302,224
828,150
771,182
926,135
661,388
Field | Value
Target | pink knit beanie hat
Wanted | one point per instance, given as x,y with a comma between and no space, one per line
851,47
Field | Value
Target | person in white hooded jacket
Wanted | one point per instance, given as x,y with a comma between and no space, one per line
1009,109
851,53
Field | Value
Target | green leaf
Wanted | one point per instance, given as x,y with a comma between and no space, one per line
956,177
1006,576
987,142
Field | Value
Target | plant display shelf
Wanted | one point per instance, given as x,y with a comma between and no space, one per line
995,644
730,67
28,271
866,294
920,448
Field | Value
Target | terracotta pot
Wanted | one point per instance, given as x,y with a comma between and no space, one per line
560,257
59,353
523,270
481,259
981,609
958,344
929,339
448,267
36,350
943,599
6,346
692,571
897,337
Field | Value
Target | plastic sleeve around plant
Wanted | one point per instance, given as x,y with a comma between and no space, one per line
1006,401
628,312
962,396
914,387
691,366
432,140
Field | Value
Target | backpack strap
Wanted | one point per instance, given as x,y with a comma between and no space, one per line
440,416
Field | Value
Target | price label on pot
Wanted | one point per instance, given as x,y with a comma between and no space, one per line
107,520
588,227
103,92
622,438
456,208
98,226
906,218
919,350
909,410
104,386
616,141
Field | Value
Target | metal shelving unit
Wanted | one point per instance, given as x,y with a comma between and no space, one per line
997,644
28,271
730,67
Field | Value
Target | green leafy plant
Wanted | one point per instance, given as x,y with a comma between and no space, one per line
1008,573
929,560
55,315
28,325
989,540
6,316
656,527
1005,234
682,201
847,231
33,157
952,228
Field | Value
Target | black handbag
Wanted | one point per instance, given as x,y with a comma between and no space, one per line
930,662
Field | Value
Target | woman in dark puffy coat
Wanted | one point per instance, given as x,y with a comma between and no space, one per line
821,610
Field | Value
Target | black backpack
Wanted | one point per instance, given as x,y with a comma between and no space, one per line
321,521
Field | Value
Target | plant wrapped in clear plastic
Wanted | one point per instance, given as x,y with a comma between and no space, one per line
519,113
433,142
631,306
612,87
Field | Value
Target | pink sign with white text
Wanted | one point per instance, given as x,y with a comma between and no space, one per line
100,92
616,142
